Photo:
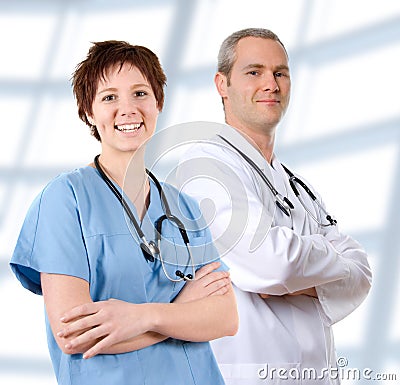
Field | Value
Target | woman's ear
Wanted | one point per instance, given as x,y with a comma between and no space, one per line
90,120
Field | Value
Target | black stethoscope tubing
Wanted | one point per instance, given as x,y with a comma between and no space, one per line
284,204
294,179
151,248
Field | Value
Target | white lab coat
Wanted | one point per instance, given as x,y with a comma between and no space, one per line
282,339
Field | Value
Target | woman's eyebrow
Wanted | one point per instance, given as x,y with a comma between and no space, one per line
110,89
113,89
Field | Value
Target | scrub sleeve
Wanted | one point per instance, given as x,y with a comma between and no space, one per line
52,223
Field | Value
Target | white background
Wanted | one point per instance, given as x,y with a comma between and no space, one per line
342,131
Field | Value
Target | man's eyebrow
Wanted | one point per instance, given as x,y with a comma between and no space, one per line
282,67
253,65
257,65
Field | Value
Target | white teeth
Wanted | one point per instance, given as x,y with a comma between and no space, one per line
129,127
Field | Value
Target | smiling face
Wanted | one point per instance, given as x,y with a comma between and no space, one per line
125,110
256,94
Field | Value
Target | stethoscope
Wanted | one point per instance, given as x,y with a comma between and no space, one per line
284,204
151,249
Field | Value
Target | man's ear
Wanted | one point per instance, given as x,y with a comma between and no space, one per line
221,81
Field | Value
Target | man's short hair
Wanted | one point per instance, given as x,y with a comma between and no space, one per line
227,52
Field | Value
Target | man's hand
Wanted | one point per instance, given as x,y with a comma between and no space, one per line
311,292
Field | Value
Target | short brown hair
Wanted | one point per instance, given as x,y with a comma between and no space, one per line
103,56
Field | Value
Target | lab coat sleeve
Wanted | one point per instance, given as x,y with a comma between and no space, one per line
339,298
262,258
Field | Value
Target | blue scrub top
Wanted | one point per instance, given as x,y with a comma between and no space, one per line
77,227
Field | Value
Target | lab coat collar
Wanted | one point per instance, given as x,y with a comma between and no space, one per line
243,142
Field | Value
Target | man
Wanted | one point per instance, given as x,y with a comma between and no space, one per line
294,273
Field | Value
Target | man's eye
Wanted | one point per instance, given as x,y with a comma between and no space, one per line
253,73
279,74
108,98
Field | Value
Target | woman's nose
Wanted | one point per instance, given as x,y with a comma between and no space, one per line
127,107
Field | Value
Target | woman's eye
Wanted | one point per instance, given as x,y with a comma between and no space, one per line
108,98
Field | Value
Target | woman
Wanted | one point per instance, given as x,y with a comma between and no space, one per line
105,296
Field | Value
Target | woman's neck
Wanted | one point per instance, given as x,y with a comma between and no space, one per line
129,172
119,168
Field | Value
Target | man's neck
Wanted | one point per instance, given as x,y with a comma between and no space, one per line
262,141
265,144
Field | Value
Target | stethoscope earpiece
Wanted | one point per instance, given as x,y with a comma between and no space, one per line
188,277
331,220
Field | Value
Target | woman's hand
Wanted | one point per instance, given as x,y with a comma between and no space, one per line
101,325
104,323
207,282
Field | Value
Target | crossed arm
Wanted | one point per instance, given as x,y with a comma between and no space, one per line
204,310
270,259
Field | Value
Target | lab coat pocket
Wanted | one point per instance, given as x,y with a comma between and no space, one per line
258,374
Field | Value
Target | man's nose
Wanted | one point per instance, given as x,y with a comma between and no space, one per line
270,84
